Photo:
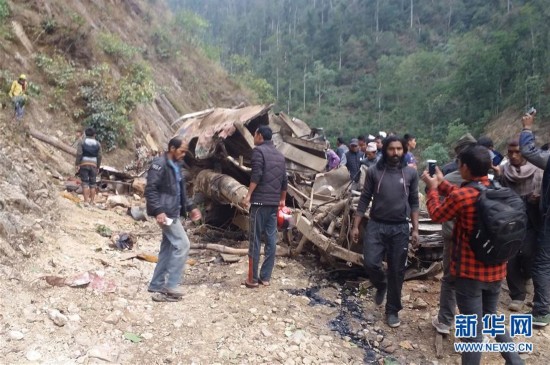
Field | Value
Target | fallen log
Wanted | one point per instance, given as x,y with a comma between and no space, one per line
52,141
222,188
281,251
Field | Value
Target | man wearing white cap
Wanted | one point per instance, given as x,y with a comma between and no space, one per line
371,157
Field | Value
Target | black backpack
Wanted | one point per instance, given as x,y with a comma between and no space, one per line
501,225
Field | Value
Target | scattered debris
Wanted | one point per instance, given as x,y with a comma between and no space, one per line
103,230
91,279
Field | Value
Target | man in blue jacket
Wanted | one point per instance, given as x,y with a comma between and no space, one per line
266,193
541,265
167,201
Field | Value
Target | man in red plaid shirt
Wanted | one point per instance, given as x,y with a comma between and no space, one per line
477,284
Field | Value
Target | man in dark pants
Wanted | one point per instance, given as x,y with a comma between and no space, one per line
167,201
477,285
525,179
393,187
88,161
541,264
266,193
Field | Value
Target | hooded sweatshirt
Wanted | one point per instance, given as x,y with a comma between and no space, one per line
393,190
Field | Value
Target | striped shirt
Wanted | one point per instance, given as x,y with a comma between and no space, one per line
459,203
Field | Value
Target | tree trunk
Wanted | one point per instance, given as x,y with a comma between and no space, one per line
305,70
222,188
52,141
412,12
280,251
376,18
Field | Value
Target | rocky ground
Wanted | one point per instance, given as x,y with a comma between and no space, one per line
309,315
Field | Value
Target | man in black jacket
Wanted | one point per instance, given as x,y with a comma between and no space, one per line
266,193
88,161
393,188
167,201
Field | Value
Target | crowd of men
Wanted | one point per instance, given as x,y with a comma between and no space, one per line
391,184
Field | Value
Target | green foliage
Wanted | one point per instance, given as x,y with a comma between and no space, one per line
4,10
456,129
191,25
242,74
49,25
164,43
59,72
108,103
437,151
359,66
115,47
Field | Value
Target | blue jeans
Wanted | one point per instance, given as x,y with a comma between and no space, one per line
263,219
174,249
541,270
480,298
19,104
391,241
447,298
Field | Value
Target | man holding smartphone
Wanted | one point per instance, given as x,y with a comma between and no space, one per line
167,201
541,265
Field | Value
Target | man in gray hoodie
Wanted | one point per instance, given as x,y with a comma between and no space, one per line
393,188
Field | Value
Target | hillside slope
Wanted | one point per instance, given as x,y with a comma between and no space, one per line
129,53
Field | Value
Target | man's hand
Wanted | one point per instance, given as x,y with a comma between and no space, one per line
246,202
161,219
195,215
528,120
76,169
496,170
432,182
355,234
415,239
282,204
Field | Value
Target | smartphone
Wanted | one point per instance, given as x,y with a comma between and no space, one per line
532,111
431,167
168,221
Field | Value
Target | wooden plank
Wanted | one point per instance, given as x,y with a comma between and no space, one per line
303,158
295,128
245,133
306,144
326,244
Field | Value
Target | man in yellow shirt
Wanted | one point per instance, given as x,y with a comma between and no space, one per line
17,95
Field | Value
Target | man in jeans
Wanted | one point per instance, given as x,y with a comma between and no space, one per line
447,298
266,193
541,264
477,285
167,201
393,187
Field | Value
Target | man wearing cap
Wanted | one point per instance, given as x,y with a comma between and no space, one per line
371,157
266,194
17,95
353,162
444,319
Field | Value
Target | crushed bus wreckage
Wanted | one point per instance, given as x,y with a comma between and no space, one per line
323,204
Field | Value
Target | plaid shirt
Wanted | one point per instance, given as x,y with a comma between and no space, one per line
460,204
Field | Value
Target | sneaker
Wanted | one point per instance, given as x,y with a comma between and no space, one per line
154,290
379,296
441,327
515,305
393,320
174,292
541,321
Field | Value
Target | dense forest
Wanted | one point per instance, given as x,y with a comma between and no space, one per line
433,68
